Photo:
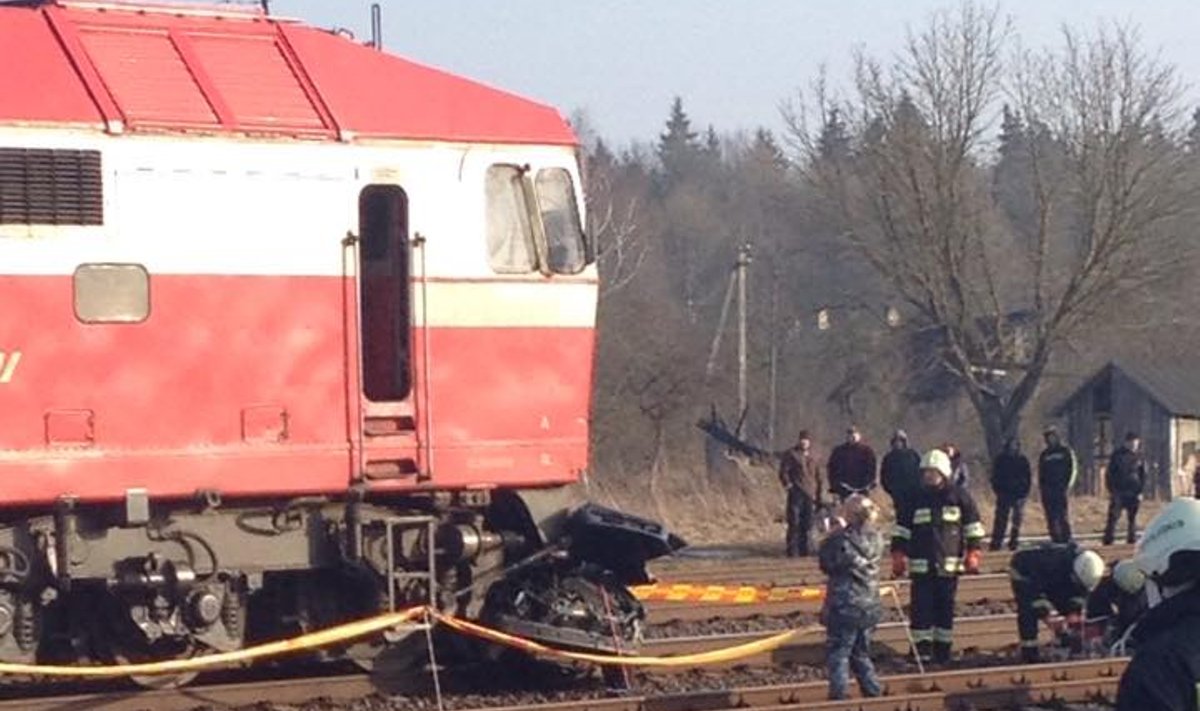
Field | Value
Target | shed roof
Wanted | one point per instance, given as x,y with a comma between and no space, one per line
157,67
1174,385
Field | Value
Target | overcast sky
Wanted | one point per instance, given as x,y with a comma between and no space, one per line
732,61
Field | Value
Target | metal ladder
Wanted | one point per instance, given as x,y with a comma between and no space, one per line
396,576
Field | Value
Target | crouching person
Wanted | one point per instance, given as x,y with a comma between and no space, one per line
850,557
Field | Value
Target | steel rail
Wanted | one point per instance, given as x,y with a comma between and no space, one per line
990,632
985,632
987,689
803,571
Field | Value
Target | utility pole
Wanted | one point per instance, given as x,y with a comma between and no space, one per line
772,403
743,261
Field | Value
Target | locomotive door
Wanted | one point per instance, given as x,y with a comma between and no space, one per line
389,442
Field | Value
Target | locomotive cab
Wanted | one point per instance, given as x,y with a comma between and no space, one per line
292,348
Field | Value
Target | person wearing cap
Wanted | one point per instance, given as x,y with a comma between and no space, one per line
1012,478
934,542
1057,469
1164,672
1054,577
800,475
851,466
1125,478
900,472
850,556
1116,604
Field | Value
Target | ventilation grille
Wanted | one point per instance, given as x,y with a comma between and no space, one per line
50,187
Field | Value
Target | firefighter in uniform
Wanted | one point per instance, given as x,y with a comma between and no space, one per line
1115,605
1164,673
936,540
1053,578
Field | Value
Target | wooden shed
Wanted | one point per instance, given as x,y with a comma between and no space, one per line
1159,402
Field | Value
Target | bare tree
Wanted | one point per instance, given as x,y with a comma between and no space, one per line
1005,282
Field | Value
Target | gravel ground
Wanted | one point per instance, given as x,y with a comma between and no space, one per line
761,623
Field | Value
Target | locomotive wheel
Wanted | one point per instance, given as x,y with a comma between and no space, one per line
375,655
156,653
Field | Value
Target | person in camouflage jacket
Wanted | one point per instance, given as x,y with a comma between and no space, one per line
850,557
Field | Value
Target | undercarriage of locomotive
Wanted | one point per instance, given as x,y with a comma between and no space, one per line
113,587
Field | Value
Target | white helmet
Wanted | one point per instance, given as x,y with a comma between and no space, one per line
1129,577
1089,568
937,460
1176,528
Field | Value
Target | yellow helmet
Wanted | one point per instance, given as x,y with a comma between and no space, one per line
937,460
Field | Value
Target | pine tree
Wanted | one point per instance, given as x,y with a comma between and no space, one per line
678,149
834,142
1193,135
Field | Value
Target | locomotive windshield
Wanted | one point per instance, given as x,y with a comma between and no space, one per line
521,213
509,229
560,219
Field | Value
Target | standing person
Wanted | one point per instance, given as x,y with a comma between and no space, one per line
959,474
935,541
900,472
1057,577
1056,475
851,466
1125,479
800,475
1012,478
1165,668
850,557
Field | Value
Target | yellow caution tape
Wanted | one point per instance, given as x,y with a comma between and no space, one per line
731,594
714,656
380,623
312,640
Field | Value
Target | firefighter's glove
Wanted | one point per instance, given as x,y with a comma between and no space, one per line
899,564
973,560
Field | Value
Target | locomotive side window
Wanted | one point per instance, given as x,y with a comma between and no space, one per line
509,228
560,221
50,187
112,293
383,267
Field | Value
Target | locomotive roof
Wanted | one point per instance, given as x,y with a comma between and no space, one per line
130,66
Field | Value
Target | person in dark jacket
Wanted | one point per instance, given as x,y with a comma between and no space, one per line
850,557
900,472
1164,673
800,475
1125,479
935,541
1012,478
1056,475
1055,577
851,466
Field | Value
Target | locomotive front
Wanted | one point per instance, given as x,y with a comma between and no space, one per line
305,334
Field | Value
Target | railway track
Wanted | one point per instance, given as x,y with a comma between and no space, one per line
980,689
983,633
972,589
804,571
989,689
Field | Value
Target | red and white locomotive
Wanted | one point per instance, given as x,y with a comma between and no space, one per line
293,331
